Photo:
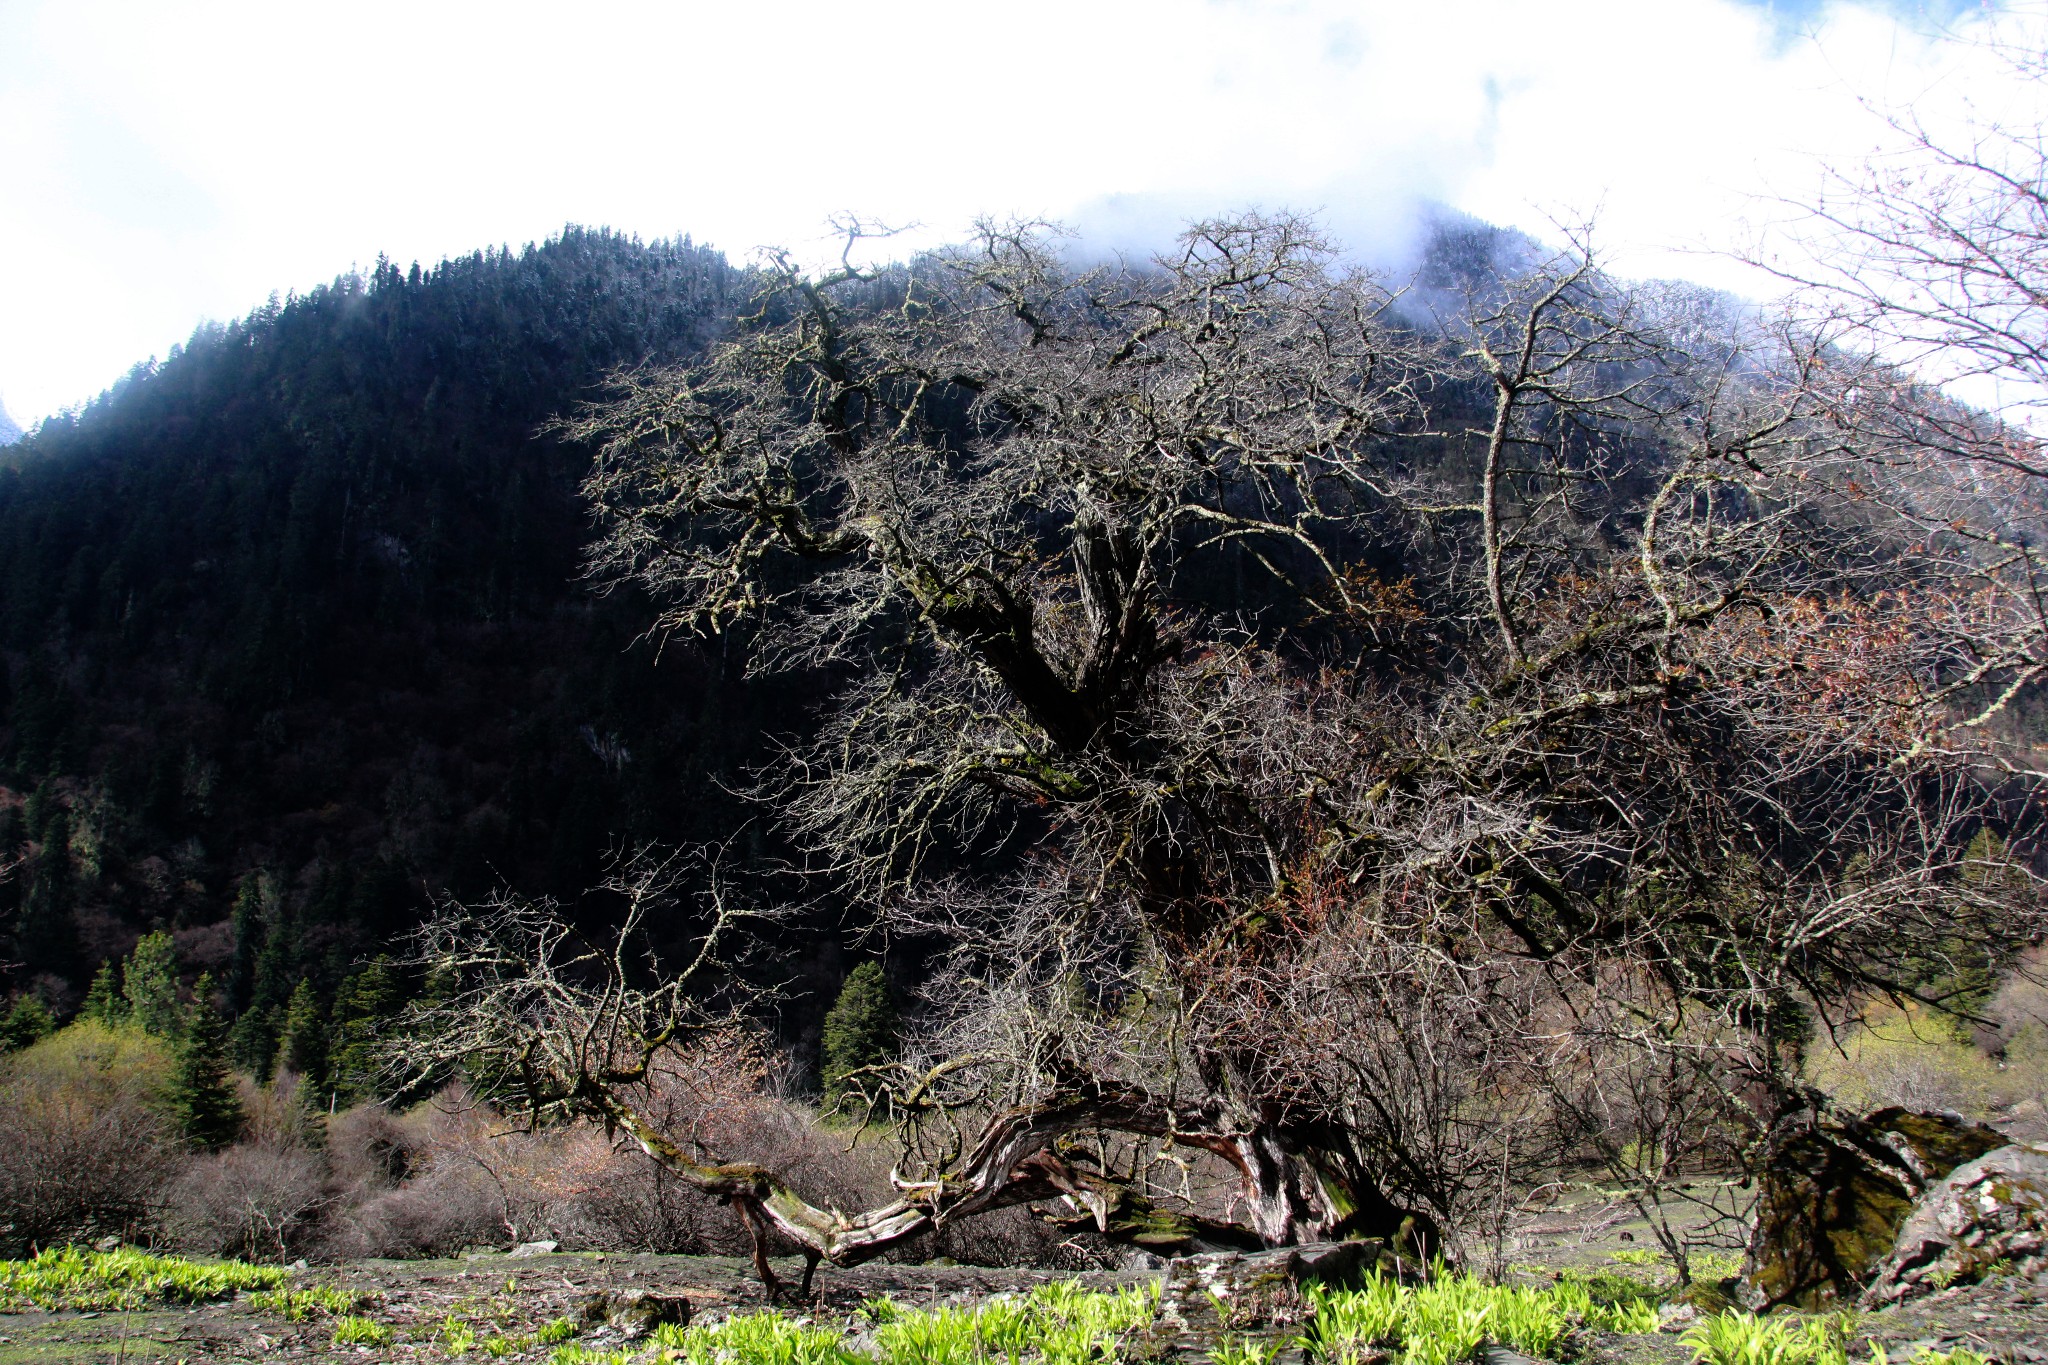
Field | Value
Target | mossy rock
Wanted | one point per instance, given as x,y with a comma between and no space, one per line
1836,1194
1988,1216
1711,1296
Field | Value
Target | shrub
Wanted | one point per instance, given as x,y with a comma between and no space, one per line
255,1202
89,1150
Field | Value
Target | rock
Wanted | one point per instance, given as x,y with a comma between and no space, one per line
1676,1317
1251,1283
637,1314
525,1249
107,1244
1142,1260
1986,1212
1837,1192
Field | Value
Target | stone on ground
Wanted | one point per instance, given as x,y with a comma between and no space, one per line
1985,1214
1837,1194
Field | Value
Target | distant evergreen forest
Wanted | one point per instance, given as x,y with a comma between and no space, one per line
294,639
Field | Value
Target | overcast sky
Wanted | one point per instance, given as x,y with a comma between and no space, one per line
163,164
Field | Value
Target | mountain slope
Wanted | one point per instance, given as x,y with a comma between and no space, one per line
294,616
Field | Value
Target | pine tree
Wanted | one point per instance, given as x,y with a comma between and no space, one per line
202,1094
304,1043
248,925
253,1041
150,985
104,1003
27,1024
46,935
363,1009
860,1028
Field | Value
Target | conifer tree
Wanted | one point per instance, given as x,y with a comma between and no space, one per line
247,922
150,985
27,1024
46,935
202,1092
253,1041
104,1002
860,1028
304,1043
363,1008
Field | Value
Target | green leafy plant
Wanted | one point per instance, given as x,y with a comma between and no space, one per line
1449,1318
583,1355
1744,1339
1237,1350
71,1278
353,1330
297,1305
457,1336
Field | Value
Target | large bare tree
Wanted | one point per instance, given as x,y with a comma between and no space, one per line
1281,710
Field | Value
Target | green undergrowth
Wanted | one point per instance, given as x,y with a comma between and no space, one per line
301,1305
1449,1318
1055,1324
1745,1339
1063,1323
74,1279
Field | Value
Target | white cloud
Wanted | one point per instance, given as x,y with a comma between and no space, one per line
161,164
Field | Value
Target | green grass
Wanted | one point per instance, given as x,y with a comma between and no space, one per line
110,1281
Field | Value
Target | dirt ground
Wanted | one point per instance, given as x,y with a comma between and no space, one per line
500,1301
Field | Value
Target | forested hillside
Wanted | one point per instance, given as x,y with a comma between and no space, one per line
292,622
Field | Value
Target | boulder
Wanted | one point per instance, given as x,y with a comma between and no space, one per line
1251,1284
1836,1193
635,1315
1989,1212
525,1249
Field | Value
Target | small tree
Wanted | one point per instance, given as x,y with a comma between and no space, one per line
363,1009
253,1041
202,1096
104,1003
860,1029
27,1024
150,985
305,1037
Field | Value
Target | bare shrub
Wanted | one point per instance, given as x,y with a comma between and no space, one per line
370,1148
256,1202
438,1214
88,1149
276,1115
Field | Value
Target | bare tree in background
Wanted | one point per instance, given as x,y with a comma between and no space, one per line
1281,714
1921,274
